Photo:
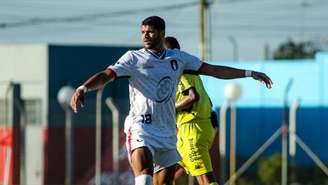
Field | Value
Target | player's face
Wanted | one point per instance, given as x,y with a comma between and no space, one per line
151,37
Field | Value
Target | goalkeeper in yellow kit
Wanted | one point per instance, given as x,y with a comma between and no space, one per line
196,130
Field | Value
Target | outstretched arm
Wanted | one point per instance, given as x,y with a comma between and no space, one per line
224,72
97,81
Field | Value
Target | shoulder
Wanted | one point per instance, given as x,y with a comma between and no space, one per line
141,51
173,52
176,55
132,56
132,53
179,54
139,54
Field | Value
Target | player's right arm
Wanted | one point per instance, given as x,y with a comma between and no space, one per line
97,81
123,67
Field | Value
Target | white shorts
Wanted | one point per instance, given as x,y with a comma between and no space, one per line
163,149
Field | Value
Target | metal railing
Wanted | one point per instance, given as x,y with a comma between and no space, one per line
293,138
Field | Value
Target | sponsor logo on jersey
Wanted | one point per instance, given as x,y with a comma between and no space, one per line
139,140
164,89
198,166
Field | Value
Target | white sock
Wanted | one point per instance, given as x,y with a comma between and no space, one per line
143,179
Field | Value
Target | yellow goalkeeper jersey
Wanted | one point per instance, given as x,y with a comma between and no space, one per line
201,110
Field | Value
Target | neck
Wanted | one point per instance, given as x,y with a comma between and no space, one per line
157,50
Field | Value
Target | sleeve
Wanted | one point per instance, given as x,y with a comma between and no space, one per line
124,66
191,63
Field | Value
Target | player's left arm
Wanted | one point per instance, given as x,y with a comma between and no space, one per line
224,72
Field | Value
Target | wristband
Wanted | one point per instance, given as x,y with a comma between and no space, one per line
82,88
248,73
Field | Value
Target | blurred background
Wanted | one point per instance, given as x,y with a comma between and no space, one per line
269,137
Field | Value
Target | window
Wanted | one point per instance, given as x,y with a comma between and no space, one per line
2,112
33,109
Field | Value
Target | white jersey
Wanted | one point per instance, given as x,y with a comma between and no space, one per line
152,85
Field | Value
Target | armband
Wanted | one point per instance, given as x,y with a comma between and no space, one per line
248,73
82,88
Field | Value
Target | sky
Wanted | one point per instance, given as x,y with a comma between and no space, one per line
249,25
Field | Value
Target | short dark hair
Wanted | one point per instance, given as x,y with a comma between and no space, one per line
157,22
172,43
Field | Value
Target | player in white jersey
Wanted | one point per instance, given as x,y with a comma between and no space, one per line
154,73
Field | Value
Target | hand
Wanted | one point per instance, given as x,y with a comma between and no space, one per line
77,96
262,78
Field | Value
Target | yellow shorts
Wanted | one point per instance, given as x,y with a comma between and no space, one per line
194,143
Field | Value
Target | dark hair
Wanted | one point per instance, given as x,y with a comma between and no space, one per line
157,22
171,43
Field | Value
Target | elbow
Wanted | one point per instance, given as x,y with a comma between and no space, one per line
194,97
107,75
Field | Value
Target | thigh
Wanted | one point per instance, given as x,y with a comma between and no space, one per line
141,161
164,159
164,166
193,145
164,176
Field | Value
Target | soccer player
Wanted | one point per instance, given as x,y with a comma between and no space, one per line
196,131
154,73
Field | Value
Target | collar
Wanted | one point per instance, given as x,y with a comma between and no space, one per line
162,56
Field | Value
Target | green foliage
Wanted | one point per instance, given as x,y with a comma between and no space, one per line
309,175
293,50
269,170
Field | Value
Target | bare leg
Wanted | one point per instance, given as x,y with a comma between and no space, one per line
165,176
179,171
142,161
206,178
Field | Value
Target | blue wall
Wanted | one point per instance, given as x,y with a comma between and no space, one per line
310,78
256,124
73,65
260,110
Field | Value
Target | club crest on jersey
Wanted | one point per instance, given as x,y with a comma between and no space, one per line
174,64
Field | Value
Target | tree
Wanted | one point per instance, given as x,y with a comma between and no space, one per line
269,170
293,50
